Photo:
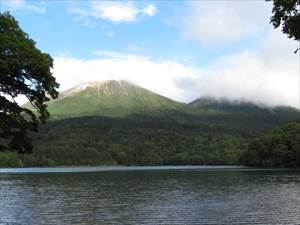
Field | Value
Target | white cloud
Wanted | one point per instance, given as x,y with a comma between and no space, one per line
219,21
150,10
268,75
116,11
182,83
156,76
22,5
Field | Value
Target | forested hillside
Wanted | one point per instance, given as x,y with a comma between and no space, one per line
115,122
279,148
132,141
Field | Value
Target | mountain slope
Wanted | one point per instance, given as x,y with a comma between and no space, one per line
241,107
108,98
115,122
245,115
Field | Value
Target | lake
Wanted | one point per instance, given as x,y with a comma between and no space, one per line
149,195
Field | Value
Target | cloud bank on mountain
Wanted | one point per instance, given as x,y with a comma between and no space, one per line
266,75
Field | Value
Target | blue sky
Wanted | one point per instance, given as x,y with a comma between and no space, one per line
58,29
180,49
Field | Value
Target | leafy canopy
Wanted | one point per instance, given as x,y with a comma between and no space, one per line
25,71
287,14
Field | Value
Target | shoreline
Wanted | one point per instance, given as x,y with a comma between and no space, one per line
82,169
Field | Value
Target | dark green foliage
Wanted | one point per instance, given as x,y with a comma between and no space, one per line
132,141
287,14
10,159
279,148
24,70
167,138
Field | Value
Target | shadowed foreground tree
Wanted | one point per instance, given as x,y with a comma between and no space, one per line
24,71
286,13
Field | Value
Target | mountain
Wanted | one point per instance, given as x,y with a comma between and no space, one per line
113,98
109,98
115,122
245,115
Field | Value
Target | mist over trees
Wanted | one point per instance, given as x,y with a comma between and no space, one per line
281,147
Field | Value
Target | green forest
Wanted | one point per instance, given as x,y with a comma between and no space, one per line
171,139
118,123
279,148
104,141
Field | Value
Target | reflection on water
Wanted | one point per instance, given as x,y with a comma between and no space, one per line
217,196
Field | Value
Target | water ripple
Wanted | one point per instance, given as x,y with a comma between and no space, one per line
151,197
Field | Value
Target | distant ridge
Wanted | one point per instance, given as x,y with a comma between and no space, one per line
237,106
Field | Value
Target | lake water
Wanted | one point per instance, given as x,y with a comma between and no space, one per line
149,195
